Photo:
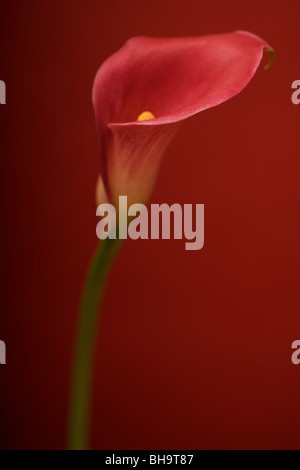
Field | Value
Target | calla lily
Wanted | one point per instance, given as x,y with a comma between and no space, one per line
141,95
145,90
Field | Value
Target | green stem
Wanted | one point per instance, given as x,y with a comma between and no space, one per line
80,403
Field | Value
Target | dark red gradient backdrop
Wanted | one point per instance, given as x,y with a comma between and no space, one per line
194,349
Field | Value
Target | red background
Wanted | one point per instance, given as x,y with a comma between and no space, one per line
194,348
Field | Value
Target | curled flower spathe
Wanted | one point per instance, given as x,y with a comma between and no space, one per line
145,90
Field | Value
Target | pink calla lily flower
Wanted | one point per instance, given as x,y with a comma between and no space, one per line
145,90
141,95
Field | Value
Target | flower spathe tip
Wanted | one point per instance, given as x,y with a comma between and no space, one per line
272,57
